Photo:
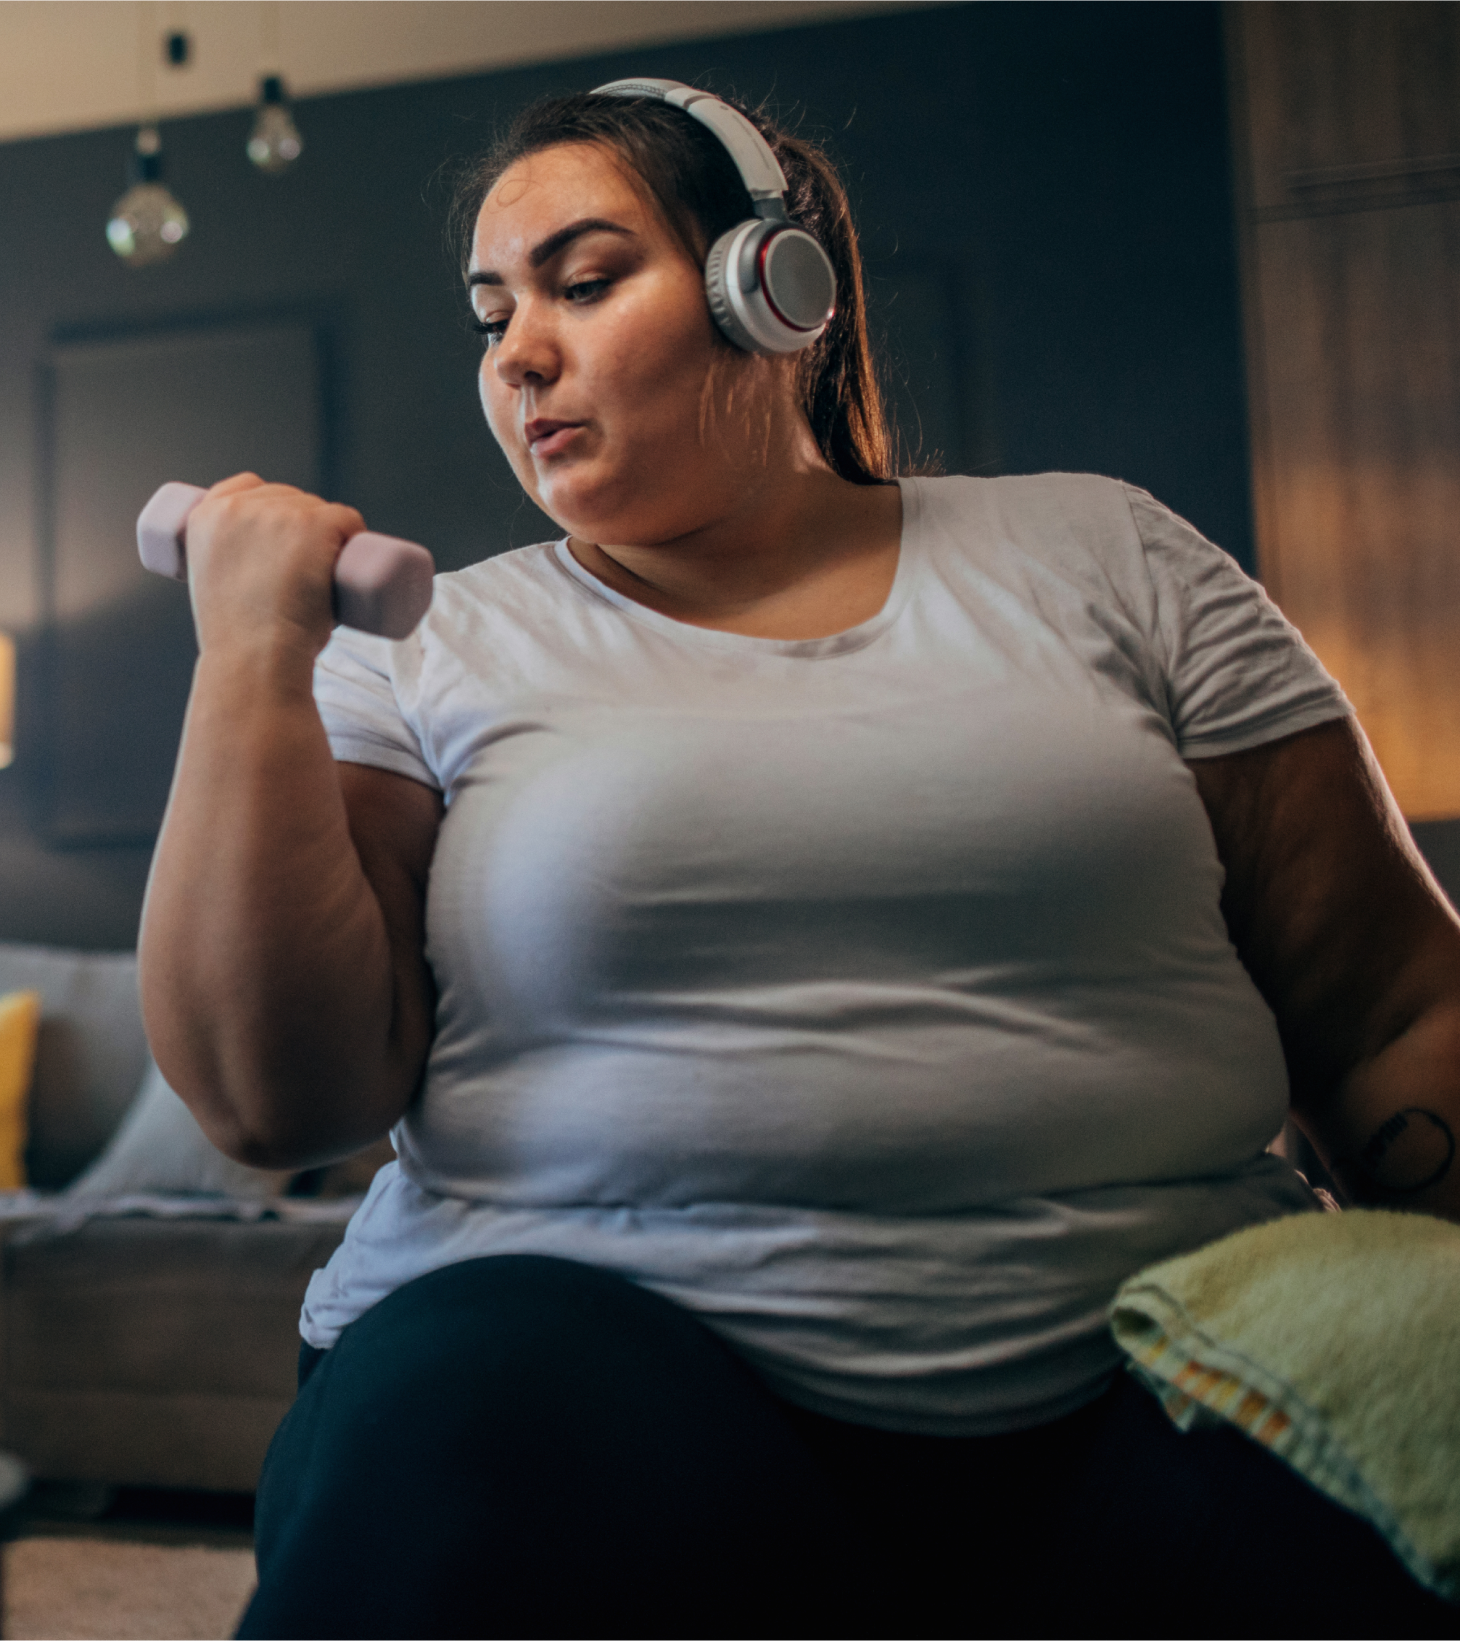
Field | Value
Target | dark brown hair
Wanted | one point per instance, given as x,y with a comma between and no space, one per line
693,181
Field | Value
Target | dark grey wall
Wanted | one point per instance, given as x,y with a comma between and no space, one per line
1044,195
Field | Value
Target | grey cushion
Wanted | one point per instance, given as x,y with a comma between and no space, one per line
90,1058
159,1147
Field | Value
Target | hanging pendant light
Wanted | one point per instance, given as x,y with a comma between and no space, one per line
274,143
146,224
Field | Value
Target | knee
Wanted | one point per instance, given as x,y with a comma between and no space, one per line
500,1415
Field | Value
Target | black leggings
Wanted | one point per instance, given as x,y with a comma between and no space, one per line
520,1446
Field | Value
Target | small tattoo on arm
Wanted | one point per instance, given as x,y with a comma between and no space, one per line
1409,1152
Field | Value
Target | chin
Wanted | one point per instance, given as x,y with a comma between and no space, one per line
594,511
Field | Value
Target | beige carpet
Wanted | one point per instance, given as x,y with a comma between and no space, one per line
89,1589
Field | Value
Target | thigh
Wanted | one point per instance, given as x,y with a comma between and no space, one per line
1112,1522
1144,1530
527,1446
1214,1522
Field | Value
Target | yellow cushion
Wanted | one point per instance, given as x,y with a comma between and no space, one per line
20,1021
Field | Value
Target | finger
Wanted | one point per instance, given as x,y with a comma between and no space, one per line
277,507
239,481
344,519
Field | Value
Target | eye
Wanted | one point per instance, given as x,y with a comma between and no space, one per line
585,290
487,325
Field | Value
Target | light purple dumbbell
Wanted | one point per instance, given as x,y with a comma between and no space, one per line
382,584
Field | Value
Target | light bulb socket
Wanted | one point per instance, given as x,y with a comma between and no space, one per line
271,91
145,164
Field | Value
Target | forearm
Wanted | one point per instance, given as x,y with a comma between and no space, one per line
1388,1133
266,972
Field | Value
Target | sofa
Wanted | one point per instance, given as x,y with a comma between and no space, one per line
148,1339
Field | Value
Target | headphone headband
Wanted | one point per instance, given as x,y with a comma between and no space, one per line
758,166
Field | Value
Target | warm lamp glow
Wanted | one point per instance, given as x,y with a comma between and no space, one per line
7,699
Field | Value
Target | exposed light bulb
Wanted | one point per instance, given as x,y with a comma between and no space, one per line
274,143
147,224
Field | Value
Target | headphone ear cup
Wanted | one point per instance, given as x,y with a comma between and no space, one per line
798,282
801,298
720,269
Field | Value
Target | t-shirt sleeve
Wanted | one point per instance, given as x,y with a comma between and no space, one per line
354,689
1238,673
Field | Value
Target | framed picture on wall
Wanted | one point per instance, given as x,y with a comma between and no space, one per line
120,414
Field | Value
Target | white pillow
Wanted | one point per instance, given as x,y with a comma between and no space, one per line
160,1148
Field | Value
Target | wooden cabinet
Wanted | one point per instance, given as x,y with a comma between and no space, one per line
1346,119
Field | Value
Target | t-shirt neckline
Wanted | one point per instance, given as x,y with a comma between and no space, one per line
839,643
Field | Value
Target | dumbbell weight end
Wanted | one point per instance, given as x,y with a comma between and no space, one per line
382,584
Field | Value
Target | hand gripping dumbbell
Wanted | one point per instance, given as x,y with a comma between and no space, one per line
382,584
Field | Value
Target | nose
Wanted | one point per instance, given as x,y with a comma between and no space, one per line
528,352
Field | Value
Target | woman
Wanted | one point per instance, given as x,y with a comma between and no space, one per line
783,927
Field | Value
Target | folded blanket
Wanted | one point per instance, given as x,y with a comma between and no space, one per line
1334,1340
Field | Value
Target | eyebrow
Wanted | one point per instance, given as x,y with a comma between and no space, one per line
548,248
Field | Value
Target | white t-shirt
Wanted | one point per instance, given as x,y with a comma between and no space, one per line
868,995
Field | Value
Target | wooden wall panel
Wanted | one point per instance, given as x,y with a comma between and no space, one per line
1349,103
1353,298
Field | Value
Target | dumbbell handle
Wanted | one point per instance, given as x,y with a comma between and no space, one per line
382,584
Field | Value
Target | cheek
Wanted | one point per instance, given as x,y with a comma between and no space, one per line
652,367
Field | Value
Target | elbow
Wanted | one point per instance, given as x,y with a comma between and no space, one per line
243,1129
282,1101
285,1129
256,1147
275,1145
242,1136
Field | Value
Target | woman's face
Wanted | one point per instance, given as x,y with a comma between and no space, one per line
599,346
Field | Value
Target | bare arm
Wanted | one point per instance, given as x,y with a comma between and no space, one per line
1358,953
283,975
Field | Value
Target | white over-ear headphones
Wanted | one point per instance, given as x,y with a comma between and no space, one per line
771,287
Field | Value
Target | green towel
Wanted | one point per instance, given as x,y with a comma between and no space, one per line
1334,1340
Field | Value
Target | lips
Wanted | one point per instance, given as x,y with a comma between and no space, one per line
547,436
